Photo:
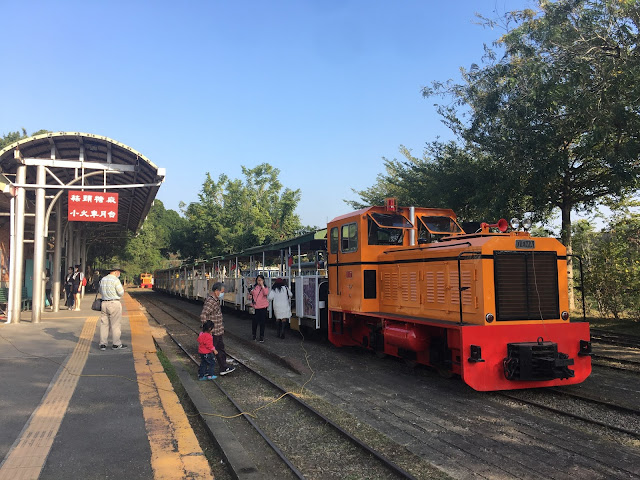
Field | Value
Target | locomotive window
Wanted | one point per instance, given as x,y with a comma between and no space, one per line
334,240
441,224
383,236
349,238
389,220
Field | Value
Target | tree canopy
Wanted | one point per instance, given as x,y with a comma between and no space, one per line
234,214
9,138
552,124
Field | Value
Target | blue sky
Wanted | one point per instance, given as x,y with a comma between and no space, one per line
321,90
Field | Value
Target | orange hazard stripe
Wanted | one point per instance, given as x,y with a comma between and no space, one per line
175,451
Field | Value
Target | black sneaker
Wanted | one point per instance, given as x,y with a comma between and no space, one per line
103,347
118,347
227,370
262,340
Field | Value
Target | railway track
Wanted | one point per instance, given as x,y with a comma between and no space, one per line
615,363
461,432
278,415
612,350
613,338
589,410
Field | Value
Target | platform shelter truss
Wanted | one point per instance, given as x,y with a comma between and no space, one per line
36,174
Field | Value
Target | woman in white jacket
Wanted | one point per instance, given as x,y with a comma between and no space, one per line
281,297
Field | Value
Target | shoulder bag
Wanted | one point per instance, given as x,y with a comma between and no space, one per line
97,304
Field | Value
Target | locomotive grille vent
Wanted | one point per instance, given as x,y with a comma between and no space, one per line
465,281
526,286
390,283
431,287
441,287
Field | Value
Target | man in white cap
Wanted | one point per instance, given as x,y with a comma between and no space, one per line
111,313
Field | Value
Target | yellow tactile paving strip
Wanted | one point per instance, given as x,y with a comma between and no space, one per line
175,451
27,457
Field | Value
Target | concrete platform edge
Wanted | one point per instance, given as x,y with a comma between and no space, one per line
236,456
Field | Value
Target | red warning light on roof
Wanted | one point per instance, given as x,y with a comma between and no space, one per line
391,204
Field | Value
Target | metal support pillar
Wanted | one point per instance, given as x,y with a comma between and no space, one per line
57,263
75,251
83,261
69,242
12,252
15,289
39,249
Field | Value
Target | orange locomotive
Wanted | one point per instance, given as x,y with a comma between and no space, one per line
146,280
489,306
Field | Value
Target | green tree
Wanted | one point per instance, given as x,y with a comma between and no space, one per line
558,114
167,224
234,214
550,125
612,264
446,176
11,137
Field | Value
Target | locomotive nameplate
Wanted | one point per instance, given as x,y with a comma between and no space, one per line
528,244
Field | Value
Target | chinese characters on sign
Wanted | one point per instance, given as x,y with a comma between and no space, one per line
93,206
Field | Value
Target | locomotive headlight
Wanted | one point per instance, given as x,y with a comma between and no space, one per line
526,224
515,223
489,317
564,315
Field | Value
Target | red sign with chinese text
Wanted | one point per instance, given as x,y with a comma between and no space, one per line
93,206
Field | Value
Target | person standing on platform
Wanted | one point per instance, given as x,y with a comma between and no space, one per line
212,311
260,304
207,352
281,297
47,288
68,288
111,313
96,280
77,283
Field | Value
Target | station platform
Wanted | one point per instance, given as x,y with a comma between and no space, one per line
70,410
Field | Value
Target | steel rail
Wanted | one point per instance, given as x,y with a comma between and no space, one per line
356,441
613,338
595,401
572,415
615,359
274,447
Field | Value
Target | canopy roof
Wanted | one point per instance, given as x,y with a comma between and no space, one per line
89,160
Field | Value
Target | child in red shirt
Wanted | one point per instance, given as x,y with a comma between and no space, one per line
207,352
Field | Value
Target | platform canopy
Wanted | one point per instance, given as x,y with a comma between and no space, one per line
39,177
83,161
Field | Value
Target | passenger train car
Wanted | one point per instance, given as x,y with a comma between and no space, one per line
490,306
